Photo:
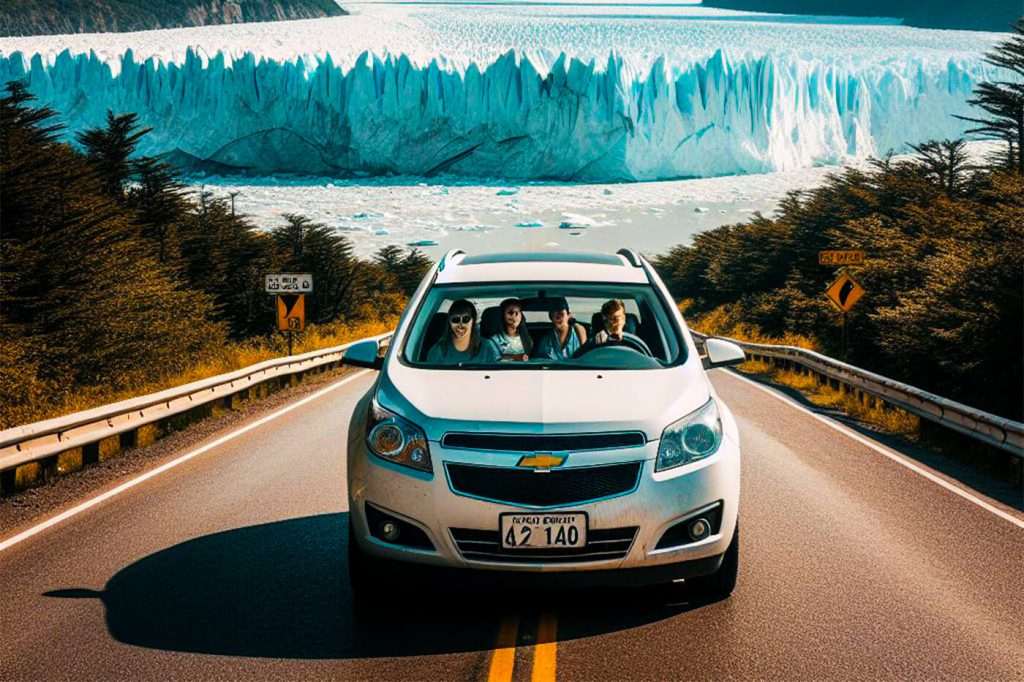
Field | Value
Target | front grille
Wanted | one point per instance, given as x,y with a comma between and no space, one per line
554,487
575,442
485,545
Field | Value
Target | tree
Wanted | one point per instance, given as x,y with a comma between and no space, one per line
305,246
1003,100
946,162
110,150
82,299
159,202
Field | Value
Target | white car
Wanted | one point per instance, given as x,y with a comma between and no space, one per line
608,462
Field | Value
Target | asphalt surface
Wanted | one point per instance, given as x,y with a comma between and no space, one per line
232,565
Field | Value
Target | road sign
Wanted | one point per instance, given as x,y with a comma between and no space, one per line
847,257
287,283
845,291
291,312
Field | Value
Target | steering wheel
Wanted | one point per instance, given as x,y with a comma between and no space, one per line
627,343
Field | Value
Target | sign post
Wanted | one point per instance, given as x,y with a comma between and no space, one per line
290,291
844,292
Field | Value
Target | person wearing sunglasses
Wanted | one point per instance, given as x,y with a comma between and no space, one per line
461,340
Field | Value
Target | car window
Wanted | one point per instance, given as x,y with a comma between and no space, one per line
463,326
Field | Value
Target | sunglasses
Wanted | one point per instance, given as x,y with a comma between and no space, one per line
460,319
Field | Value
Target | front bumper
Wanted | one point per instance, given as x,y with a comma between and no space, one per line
658,502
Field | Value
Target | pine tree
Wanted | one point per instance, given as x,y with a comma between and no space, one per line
306,246
110,149
1003,101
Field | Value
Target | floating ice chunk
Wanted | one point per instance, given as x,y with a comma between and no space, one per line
507,191
701,209
423,242
575,221
382,232
530,223
606,191
552,244
443,190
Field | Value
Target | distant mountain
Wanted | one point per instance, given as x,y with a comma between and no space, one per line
40,17
977,15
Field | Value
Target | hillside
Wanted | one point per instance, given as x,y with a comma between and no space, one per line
980,15
41,17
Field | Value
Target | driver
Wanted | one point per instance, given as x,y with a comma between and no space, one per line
613,313
566,335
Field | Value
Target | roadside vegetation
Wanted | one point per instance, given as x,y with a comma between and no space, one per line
944,269
113,282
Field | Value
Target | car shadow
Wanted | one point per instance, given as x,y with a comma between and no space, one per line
280,590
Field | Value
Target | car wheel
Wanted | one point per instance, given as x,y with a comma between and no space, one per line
720,584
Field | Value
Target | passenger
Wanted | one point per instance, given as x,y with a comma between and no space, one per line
613,313
461,341
513,341
566,335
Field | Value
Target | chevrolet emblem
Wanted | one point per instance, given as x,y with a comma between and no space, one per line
541,460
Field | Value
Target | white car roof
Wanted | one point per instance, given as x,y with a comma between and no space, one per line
541,266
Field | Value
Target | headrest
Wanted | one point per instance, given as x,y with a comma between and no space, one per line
490,322
433,334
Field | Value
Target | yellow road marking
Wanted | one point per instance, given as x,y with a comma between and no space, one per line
504,657
545,651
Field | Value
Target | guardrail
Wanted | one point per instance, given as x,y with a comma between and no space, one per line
1005,434
35,452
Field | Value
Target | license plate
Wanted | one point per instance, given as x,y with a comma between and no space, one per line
554,529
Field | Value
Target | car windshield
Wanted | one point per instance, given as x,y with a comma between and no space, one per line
543,326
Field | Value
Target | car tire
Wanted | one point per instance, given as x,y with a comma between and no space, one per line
720,584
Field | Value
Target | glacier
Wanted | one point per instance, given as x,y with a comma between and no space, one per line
598,92
581,120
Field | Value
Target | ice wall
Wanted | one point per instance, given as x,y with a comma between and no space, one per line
722,114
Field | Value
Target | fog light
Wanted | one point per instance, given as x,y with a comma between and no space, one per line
389,531
699,529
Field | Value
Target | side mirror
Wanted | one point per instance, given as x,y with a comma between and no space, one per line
364,354
722,353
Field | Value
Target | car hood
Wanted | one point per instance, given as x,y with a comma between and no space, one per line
543,401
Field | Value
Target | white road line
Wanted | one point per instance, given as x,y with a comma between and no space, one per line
74,511
887,452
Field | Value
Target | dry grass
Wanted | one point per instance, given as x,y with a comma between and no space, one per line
720,322
872,412
228,358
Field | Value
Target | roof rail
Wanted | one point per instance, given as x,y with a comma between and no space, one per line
449,258
632,256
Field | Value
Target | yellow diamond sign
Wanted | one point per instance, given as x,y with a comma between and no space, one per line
845,291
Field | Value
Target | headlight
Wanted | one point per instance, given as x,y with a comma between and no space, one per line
695,436
396,439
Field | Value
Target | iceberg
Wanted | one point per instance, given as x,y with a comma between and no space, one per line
575,119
